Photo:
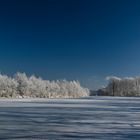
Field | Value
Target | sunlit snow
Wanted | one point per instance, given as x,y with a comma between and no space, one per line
103,118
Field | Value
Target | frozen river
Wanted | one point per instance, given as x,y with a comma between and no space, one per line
101,118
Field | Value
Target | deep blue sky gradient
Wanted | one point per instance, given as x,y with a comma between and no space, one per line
85,40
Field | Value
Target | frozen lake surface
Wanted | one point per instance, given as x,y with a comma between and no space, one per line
94,118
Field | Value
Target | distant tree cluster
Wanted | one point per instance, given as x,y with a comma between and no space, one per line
21,86
123,86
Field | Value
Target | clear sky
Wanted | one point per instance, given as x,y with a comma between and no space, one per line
85,40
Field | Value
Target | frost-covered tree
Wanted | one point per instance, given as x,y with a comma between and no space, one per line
128,86
24,87
38,87
8,86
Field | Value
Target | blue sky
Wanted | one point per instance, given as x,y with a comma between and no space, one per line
85,40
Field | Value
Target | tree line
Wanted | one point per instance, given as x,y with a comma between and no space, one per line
22,86
128,86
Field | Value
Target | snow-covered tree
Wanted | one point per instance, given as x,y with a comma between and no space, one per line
38,87
23,84
24,87
127,86
8,86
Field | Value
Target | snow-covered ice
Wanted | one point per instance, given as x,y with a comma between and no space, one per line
97,118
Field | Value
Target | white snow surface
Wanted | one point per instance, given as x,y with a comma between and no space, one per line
93,118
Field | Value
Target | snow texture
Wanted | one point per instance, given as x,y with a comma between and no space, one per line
93,118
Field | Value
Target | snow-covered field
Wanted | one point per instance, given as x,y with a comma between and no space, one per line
103,118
